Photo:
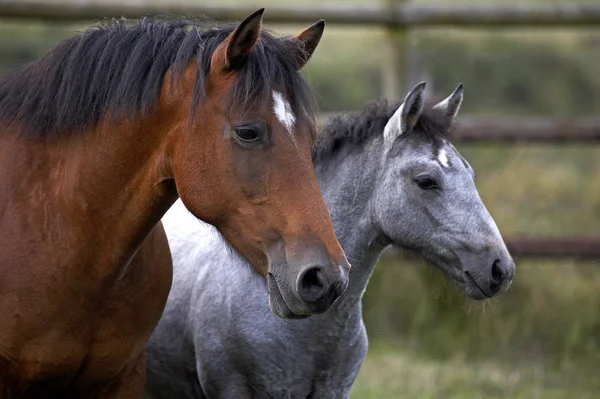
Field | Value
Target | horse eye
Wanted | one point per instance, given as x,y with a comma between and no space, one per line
426,183
247,134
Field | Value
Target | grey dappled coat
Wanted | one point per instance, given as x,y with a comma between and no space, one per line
388,176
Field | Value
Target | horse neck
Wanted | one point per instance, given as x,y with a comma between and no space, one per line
108,178
347,183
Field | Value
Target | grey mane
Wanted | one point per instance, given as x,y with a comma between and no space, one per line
352,130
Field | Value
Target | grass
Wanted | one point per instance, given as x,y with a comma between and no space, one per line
404,374
539,189
538,340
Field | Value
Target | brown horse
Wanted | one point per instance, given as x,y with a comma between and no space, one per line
98,139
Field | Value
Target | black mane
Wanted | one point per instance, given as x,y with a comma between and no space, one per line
118,67
354,129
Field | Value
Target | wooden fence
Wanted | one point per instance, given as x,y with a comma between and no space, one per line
398,17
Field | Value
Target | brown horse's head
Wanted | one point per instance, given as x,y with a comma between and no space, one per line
244,165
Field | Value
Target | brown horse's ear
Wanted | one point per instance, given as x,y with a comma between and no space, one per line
309,39
233,52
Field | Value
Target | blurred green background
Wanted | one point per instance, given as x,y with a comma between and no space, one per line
542,338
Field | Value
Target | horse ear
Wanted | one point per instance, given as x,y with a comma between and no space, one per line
451,105
233,51
308,40
406,116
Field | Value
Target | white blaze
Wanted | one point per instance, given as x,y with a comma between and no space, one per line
283,111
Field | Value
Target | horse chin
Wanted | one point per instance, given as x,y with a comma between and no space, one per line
277,303
473,290
466,283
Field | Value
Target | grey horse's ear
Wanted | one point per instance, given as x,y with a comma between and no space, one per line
406,116
451,105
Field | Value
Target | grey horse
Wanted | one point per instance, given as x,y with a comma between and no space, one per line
388,176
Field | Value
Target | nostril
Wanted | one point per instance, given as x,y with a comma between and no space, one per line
497,273
312,287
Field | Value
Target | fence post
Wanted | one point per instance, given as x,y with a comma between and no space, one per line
395,67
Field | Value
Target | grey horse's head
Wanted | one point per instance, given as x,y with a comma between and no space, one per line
428,201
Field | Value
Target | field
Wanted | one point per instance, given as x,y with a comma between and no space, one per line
402,375
542,338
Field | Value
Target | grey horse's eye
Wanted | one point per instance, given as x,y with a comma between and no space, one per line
426,183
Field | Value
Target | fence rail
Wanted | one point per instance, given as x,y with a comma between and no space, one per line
400,15
571,247
522,130
527,130
397,17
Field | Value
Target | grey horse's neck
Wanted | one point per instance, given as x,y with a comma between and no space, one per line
348,181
